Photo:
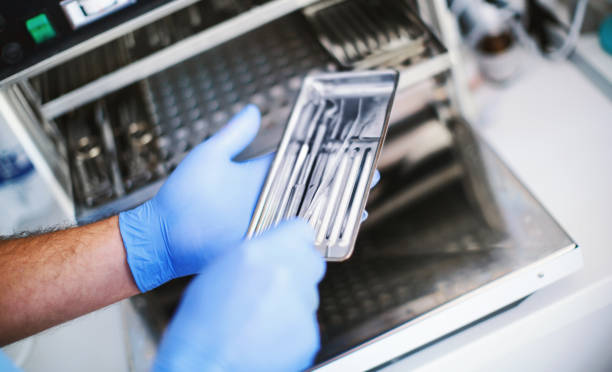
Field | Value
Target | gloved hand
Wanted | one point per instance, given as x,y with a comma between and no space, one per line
204,207
6,365
253,309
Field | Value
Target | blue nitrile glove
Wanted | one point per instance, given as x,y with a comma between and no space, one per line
6,365
253,309
204,207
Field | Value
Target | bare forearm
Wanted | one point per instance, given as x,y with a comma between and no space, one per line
49,279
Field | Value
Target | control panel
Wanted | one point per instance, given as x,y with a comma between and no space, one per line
35,30
83,12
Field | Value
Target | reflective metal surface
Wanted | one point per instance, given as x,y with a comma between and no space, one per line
473,226
460,222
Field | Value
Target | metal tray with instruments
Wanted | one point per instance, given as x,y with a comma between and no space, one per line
327,157
362,34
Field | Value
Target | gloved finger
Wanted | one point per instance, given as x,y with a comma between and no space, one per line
239,132
260,165
308,264
6,364
309,335
296,228
375,179
308,256
298,251
364,216
309,293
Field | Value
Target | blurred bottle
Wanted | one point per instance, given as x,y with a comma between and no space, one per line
24,198
486,27
605,35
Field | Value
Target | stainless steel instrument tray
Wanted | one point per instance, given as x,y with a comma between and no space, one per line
362,34
326,159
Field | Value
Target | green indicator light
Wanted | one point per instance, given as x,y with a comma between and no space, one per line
40,28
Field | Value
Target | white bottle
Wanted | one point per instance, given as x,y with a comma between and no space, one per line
25,201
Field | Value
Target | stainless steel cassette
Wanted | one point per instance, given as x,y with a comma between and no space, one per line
363,34
327,157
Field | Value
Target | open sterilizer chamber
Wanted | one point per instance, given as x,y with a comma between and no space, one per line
109,102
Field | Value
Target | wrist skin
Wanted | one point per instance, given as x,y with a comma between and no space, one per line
51,278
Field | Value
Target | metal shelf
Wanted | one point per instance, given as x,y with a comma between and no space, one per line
172,55
423,70
199,60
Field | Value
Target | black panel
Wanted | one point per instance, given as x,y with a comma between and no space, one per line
17,47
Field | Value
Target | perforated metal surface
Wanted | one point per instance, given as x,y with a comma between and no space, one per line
157,121
189,102
397,273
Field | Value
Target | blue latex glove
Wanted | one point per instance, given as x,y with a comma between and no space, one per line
204,207
6,365
253,309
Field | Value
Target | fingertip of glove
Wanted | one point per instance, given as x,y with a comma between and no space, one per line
375,179
250,109
300,229
240,131
249,114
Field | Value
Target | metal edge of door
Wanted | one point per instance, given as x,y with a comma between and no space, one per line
460,312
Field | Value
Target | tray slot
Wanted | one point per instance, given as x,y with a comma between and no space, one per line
363,34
